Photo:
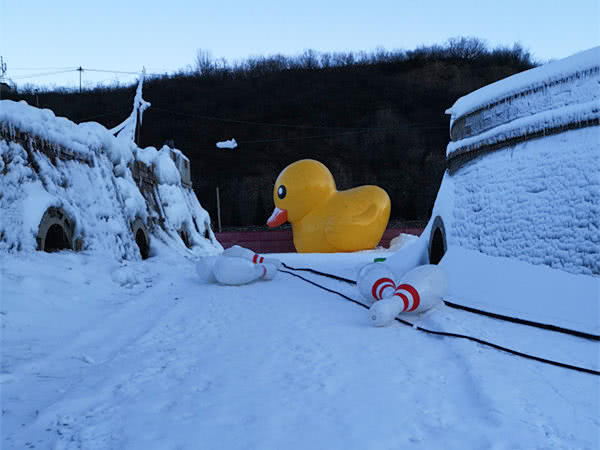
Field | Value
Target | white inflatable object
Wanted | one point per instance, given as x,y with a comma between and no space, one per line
232,270
376,281
383,312
204,269
419,290
236,271
246,253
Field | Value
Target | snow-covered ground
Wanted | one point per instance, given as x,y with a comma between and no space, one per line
100,350
99,354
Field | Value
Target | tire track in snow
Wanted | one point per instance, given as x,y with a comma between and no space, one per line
134,320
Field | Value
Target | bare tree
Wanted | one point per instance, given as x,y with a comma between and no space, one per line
204,62
466,47
309,59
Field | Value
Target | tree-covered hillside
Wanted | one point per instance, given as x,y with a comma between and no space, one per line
373,118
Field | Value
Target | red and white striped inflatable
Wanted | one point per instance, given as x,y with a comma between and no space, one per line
385,287
382,287
376,281
246,253
419,289
410,297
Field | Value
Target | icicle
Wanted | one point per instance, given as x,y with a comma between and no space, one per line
126,129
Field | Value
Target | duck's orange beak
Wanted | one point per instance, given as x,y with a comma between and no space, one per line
278,217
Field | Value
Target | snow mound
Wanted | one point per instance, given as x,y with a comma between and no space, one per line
107,194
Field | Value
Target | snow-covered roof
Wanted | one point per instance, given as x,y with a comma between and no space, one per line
552,119
85,138
546,100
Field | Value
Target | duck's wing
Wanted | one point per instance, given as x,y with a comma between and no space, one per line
355,230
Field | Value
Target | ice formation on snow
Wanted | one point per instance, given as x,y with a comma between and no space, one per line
126,129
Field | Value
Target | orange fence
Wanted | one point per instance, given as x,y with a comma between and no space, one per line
281,241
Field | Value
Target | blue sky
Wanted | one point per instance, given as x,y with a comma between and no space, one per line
41,37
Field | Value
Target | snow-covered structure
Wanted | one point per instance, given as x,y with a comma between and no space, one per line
520,200
6,84
77,186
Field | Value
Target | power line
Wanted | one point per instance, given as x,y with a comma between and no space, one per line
129,72
107,82
111,71
37,75
123,72
308,127
300,138
244,122
43,68
79,69
120,111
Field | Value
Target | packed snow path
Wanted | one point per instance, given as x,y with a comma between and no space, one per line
97,354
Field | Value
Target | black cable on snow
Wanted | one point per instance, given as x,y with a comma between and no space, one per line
530,323
333,291
455,335
544,326
316,272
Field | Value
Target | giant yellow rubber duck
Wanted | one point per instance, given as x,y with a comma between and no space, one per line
325,220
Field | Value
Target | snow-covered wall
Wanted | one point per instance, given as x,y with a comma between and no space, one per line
516,222
525,164
48,161
538,201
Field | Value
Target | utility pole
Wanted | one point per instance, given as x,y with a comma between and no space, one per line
80,70
2,73
218,209
2,68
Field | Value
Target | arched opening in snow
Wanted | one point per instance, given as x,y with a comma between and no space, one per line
183,234
142,238
142,243
56,239
207,231
55,231
437,241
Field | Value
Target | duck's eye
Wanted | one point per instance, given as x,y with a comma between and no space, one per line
281,191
